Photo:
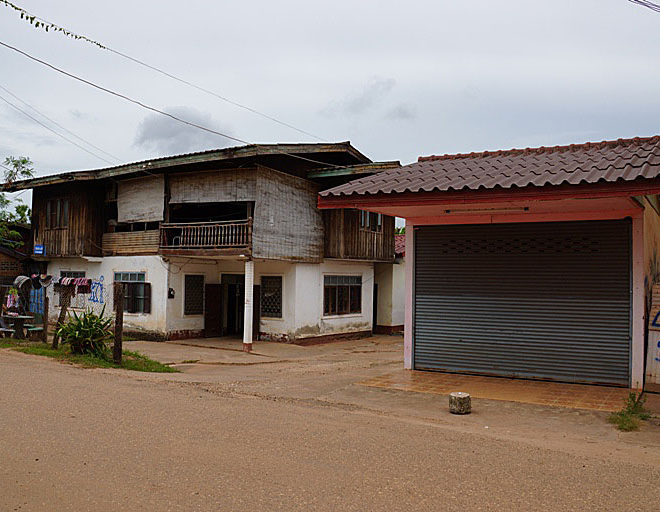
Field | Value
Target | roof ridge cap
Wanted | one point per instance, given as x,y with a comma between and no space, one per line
541,149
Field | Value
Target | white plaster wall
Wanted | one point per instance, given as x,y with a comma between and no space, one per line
302,293
383,278
399,292
156,274
391,280
286,324
308,300
176,320
313,293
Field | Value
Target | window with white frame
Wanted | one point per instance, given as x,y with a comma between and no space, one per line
137,292
342,295
193,294
271,296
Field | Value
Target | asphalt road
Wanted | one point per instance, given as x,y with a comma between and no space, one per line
73,439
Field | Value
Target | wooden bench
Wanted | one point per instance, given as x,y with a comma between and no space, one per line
32,332
6,332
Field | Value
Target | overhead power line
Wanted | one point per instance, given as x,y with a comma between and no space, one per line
645,3
53,131
119,95
145,106
58,124
39,22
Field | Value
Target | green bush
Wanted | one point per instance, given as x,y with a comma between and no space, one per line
87,333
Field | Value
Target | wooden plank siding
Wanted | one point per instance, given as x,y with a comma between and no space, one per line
131,242
345,240
82,236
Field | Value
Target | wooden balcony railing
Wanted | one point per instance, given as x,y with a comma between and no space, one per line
235,234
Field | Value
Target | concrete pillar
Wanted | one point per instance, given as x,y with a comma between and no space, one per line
249,302
410,291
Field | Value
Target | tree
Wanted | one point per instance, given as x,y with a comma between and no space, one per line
15,169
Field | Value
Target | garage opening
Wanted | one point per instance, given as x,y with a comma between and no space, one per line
533,300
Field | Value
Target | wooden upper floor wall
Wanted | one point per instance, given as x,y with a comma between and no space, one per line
347,236
287,225
80,234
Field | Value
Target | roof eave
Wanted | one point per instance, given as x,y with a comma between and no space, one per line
158,164
637,187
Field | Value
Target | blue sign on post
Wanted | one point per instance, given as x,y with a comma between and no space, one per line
39,250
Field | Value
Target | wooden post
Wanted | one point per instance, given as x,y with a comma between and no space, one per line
65,299
45,317
118,294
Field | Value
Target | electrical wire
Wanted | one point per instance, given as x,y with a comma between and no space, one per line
148,107
53,131
58,124
122,96
645,3
47,24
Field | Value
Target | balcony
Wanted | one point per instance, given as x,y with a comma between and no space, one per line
230,238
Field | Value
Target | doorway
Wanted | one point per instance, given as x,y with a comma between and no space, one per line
234,292
213,310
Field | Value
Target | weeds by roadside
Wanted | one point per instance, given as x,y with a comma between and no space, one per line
628,418
130,361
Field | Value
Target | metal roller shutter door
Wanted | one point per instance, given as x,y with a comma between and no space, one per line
537,300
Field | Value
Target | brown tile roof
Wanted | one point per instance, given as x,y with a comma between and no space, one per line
607,161
400,244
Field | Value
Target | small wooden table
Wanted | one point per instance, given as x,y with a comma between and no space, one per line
18,322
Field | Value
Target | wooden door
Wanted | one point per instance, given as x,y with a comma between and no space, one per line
213,310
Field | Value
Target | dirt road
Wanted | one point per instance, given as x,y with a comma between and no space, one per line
74,439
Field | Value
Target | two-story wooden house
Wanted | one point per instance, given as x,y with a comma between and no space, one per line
221,242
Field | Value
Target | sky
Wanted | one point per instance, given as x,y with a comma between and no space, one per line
397,79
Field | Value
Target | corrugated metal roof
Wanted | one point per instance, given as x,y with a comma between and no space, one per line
151,165
607,161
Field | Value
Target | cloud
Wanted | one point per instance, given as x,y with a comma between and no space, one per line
167,136
401,112
363,101
80,115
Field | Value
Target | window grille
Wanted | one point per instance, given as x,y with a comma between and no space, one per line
271,296
193,302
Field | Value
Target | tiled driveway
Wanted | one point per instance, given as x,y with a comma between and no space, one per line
578,396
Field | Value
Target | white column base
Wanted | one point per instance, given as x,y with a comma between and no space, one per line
249,302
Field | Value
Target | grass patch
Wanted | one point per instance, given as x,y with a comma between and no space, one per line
629,418
130,361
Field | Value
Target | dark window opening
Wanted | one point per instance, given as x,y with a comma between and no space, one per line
342,295
271,296
370,221
137,292
193,301
57,213
136,226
